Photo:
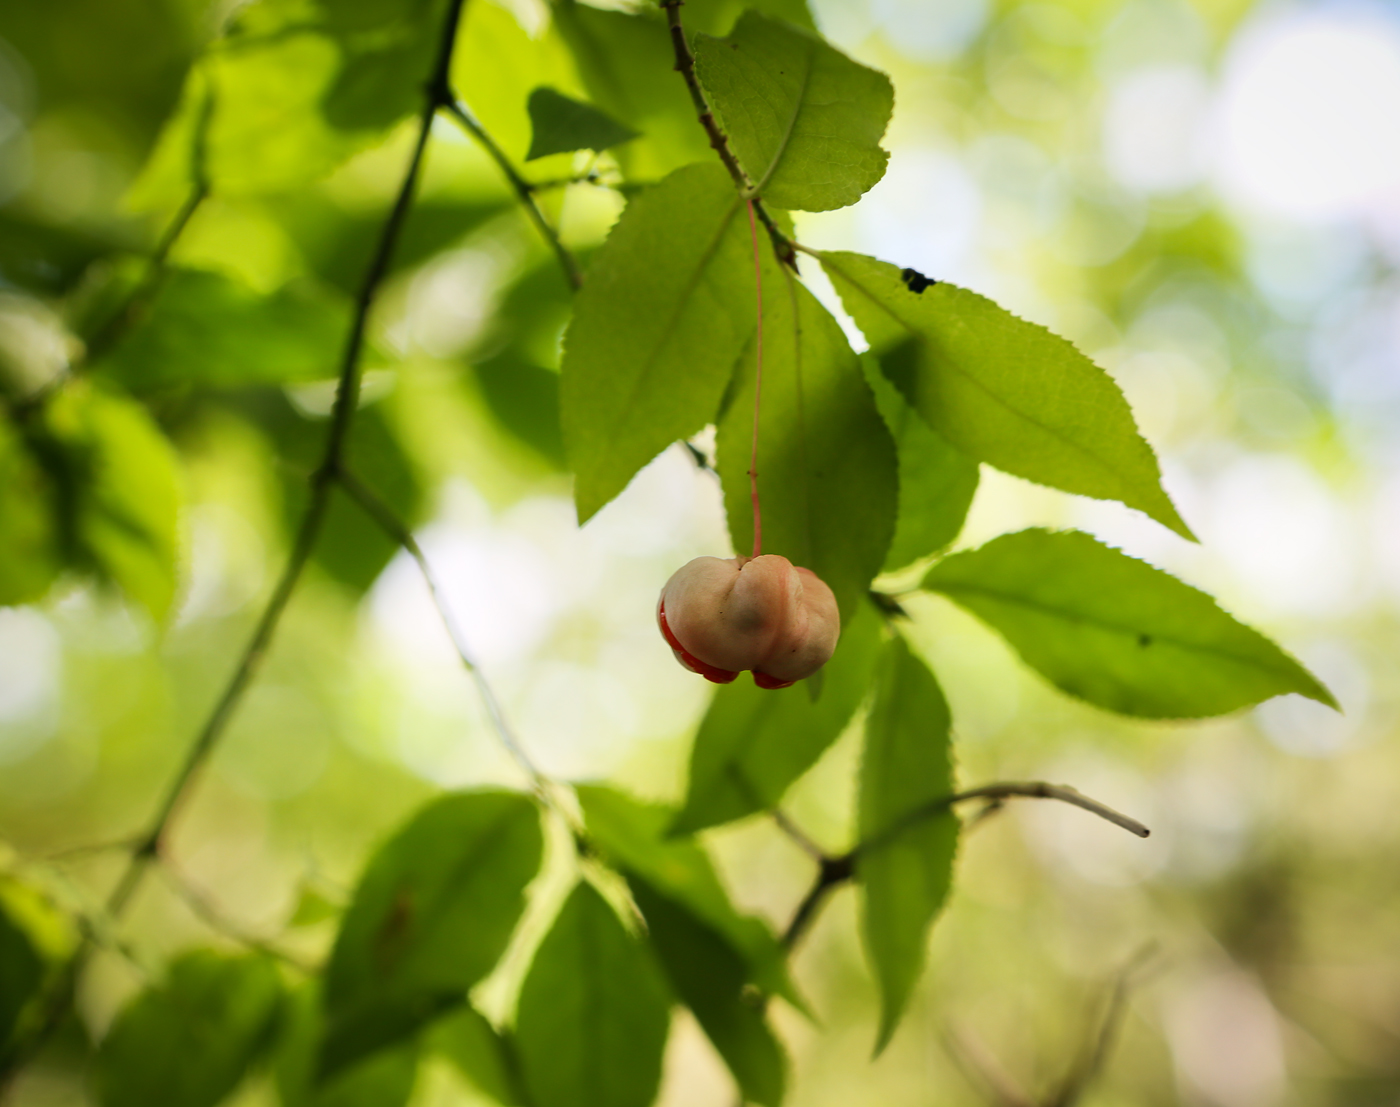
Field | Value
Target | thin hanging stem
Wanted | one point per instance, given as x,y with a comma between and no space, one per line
757,386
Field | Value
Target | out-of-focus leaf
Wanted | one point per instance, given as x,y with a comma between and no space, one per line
633,836
594,1012
385,1079
936,482
712,980
525,400
1000,389
804,120
906,867
21,974
338,245
312,907
498,63
118,491
658,327
628,67
827,474
188,1041
431,916
483,1055
561,124
1115,631
45,258
29,556
754,743
207,329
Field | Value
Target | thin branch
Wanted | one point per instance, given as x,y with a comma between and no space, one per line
685,66
837,870
204,908
981,1067
1078,1079
437,95
384,516
797,834
523,189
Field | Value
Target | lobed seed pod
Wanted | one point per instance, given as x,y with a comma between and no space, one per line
722,616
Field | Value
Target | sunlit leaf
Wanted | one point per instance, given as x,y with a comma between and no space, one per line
712,980
1115,631
905,864
561,124
717,17
753,743
385,1079
483,1055
635,838
207,329
189,1040
432,914
804,120
119,491
1000,389
827,479
593,1013
936,482
663,316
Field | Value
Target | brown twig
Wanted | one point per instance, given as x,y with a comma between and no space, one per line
837,870
685,66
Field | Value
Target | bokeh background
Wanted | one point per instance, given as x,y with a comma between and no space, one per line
1203,194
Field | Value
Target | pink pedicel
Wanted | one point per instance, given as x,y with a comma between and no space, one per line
722,616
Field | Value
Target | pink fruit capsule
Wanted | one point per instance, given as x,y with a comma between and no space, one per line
721,616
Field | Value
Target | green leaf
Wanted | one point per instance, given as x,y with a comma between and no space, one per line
1113,630
628,68
804,120
827,476
22,972
118,489
431,916
905,866
717,17
29,557
754,743
936,482
1002,390
560,124
658,327
633,836
484,1056
712,980
594,1012
209,330
188,1041
385,1079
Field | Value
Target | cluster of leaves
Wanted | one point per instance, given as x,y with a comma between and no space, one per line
869,462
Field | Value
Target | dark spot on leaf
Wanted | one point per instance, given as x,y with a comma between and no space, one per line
1144,640
916,281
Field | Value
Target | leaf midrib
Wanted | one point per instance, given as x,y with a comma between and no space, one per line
792,125
1103,625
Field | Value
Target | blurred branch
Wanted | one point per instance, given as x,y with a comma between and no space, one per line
126,315
981,1067
837,870
383,515
797,834
209,914
437,95
523,189
685,66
